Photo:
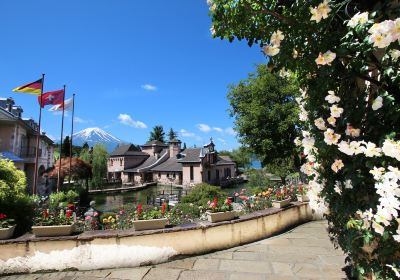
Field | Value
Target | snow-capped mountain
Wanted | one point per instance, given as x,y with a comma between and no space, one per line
95,135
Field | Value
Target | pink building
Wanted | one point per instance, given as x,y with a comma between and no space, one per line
168,164
18,141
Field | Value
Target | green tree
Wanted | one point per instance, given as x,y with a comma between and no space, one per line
85,155
85,146
242,156
157,134
99,164
172,134
266,116
66,147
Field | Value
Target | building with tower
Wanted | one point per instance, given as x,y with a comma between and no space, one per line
169,164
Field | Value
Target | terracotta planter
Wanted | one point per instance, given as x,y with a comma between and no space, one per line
59,230
149,224
303,198
281,203
6,233
220,216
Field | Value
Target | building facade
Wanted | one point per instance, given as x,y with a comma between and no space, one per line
169,164
18,141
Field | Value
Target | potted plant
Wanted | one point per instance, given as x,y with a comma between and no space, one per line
221,213
7,226
149,219
57,223
281,198
302,194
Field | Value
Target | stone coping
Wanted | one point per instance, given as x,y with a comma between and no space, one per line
96,234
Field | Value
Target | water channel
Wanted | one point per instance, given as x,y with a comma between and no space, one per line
106,202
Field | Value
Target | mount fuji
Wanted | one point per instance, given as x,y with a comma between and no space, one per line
95,135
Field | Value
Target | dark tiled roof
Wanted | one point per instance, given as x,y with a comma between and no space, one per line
127,150
190,155
171,165
224,160
156,143
151,160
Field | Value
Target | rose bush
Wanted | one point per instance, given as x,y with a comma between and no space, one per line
346,57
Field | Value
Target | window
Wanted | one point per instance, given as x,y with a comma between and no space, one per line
217,174
191,173
167,174
174,175
209,175
159,175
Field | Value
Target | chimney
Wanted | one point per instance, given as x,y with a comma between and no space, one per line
10,103
174,147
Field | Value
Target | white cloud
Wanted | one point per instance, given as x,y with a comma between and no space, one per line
149,87
203,127
222,141
206,128
230,131
80,120
188,134
127,120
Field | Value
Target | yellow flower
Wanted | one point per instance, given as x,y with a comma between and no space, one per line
271,50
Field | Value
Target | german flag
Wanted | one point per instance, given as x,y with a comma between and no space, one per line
32,88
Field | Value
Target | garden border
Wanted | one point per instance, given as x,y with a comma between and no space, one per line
203,237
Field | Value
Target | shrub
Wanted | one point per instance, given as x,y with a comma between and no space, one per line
14,199
184,213
202,193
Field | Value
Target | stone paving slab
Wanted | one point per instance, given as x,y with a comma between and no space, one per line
304,252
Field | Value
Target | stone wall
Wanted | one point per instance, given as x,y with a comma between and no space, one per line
29,253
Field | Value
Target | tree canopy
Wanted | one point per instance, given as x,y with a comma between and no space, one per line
266,116
172,134
157,134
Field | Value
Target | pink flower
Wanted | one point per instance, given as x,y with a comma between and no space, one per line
88,218
236,194
95,214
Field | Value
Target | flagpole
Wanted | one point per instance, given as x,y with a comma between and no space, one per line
72,133
35,175
62,130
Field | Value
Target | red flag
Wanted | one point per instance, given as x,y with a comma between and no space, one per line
51,98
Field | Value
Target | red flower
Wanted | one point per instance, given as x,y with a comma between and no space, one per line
69,213
45,213
215,201
71,206
139,209
2,216
163,207
228,202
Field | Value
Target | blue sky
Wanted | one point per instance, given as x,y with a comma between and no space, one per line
132,65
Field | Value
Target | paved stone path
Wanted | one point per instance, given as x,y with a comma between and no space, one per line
302,253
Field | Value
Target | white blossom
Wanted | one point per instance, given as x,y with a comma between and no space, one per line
326,58
336,111
330,137
378,103
332,121
320,12
271,50
320,124
384,33
295,54
377,172
351,131
331,97
351,148
371,150
391,148
337,165
358,19
394,54
276,38
348,184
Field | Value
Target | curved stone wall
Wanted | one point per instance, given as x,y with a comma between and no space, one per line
129,248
